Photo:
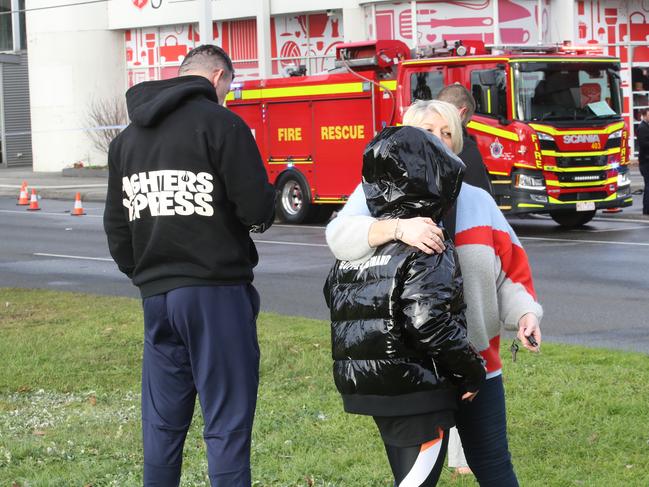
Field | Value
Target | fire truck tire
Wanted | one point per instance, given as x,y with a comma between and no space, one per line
572,219
294,199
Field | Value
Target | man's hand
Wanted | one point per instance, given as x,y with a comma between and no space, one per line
469,396
422,233
529,325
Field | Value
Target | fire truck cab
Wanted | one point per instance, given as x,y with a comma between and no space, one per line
548,123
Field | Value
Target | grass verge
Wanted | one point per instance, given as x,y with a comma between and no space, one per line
69,406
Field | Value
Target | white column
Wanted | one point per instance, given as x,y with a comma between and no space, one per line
354,28
539,21
496,14
263,39
413,16
563,21
64,82
205,21
15,25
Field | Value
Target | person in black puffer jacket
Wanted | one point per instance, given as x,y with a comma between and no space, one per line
398,330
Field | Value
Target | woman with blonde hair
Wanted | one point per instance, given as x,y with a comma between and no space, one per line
497,280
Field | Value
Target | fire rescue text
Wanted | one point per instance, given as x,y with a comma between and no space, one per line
342,132
288,134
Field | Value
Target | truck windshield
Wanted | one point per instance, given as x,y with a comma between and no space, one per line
567,91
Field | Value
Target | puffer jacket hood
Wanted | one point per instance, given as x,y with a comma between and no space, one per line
409,172
149,102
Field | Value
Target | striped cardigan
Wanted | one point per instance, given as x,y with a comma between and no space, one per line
498,287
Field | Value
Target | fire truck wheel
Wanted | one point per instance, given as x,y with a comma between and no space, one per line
572,219
293,202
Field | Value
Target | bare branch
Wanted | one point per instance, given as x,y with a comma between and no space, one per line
103,113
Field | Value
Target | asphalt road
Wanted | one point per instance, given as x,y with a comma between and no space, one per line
593,282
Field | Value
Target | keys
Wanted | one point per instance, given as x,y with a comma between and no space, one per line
514,350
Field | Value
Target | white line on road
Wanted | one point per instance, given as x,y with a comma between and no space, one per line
78,257
25,212
608,242
277,242
66,186
288,225
643,227
621,220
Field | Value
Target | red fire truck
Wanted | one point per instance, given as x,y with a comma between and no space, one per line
548,124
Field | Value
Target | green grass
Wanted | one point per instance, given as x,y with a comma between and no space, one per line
69,406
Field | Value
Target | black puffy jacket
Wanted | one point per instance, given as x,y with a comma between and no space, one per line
398,331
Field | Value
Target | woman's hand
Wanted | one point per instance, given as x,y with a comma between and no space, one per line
528,325
422,233
418,232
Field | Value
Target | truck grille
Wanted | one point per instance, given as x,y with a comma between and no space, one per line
587,195
581,177
582,161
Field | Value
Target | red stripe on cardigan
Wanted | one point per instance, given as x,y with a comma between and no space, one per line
492,355
512,257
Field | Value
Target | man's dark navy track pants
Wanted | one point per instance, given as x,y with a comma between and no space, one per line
201,340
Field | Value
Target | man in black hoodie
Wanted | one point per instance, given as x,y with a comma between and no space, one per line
476,171
186,185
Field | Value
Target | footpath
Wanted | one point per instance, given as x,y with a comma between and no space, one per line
54,185
92,187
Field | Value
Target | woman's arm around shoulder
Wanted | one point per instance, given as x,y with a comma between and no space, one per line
347,234
354,234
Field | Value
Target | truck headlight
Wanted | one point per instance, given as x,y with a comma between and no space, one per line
623,179
525,181
543,136
615,135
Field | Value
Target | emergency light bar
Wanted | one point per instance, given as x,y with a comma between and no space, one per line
565,48
453,48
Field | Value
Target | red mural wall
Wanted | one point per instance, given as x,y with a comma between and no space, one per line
462,19
156,53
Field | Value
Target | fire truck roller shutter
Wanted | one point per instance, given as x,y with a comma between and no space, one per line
294,200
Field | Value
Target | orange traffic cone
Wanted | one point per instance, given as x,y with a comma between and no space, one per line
78,208
33,202
23,199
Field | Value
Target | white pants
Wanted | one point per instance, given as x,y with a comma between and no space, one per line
455,452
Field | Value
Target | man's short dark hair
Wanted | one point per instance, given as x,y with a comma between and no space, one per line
643,111
207,57
459,96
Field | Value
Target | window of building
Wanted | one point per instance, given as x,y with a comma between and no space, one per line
7,26
23,29
489,88
6,31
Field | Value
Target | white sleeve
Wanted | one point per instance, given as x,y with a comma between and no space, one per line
347,234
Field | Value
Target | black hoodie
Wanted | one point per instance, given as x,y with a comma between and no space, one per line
186,184
398,328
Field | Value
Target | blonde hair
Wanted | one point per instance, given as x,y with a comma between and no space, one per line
419,110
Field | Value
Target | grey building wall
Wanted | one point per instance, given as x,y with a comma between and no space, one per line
15,110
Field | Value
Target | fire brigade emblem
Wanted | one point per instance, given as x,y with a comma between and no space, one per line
140,3
496,149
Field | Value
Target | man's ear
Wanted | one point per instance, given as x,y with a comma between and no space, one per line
463,111
218,74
